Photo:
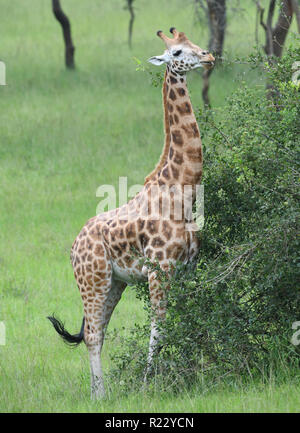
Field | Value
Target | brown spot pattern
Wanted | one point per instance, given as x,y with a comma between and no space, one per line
172,95
180,91
194,154
178,158
177,137
184,108
166,173
157,242
152,226
167,230
175,171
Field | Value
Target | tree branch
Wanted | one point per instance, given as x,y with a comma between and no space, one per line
131,21
66,28
296,10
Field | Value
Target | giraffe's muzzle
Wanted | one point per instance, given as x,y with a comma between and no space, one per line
208,62
208,65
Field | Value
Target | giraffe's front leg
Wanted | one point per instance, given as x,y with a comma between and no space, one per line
154,344
158,303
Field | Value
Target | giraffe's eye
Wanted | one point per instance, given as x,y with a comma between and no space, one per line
176,53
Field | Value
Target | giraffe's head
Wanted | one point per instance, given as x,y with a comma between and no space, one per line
181,54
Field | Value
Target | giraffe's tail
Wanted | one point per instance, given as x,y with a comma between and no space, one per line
71,340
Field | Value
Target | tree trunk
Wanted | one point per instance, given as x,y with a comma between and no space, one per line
216,15
275,37
296,10
132,16
66,28
281,29
217,23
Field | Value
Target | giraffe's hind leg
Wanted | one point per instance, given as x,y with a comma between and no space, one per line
100,294
94,279
94,312
102,307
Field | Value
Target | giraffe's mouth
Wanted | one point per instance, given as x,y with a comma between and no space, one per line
208,65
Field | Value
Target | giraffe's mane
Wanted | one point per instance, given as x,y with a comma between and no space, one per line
166,147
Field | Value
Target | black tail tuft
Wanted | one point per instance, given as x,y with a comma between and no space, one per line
71,340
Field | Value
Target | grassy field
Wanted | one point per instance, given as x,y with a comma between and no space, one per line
63,134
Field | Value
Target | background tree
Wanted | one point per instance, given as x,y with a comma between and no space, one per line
131,21
215,11
276,36
66,28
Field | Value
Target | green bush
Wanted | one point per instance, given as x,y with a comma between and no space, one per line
232,310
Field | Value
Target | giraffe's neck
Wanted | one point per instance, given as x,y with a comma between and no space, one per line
181,159
183,164
154,174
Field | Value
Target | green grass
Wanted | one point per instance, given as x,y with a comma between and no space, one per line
63,134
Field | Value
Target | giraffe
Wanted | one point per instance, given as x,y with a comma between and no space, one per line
102,253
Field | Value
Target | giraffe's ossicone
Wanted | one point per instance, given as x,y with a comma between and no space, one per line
154,225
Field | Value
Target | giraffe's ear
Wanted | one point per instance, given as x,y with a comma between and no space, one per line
159,60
